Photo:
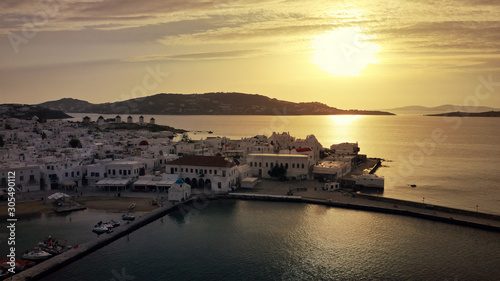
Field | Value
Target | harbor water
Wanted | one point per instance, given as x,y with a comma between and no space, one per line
250,240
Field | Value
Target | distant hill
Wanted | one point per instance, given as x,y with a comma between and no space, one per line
468,114
24,111
422,110
204,104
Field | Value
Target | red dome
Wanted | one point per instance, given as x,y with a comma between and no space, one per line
144,142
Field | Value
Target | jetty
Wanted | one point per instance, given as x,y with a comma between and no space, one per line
54,263
378,204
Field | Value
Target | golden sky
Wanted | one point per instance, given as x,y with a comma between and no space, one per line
347,54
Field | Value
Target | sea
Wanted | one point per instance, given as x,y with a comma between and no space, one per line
451,162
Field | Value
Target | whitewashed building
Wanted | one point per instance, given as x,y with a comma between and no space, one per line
297,166
179,191
212,172
27,177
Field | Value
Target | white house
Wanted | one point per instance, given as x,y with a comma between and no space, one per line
27,177
296,165
213,172
179,191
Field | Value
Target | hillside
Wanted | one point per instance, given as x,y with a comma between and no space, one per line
23,111
203,104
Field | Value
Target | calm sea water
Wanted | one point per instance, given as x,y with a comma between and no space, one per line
453,162
247,240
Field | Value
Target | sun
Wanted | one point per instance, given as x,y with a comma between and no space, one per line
344,52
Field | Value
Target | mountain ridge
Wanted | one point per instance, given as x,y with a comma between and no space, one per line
215,103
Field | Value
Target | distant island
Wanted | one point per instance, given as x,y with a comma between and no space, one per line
23,111
423,110
204,104
468,114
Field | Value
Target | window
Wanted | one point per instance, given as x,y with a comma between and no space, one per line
129,172
293,165
210,171
215,172
182,170
302,166
196,171
251,164
223,173
205,171
286,165
267,164
176,169
66,174
21,178
191,170
260,164
120,171
96,174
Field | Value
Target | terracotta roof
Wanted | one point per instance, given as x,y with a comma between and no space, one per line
303,149
195,160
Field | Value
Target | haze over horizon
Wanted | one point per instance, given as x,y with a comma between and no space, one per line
347,54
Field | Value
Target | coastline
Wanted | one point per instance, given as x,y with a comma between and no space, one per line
105,203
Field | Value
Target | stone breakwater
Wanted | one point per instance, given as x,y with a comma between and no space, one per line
391,206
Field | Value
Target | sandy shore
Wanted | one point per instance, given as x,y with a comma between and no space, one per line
111,204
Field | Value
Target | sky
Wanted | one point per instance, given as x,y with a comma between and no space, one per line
347,54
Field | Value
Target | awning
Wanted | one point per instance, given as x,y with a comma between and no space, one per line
57,195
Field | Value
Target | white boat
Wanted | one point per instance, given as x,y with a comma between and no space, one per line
131,206
114,223
36,254
101,228
128,217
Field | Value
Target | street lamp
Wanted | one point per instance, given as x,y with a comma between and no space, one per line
423,200
477,208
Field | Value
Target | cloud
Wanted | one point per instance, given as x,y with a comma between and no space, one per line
200,56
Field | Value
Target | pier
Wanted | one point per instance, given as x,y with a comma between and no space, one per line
54,263
386,205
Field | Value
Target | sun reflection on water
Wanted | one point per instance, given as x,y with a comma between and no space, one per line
344,120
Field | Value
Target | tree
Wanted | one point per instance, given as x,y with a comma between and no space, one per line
278,171
75,143
185,137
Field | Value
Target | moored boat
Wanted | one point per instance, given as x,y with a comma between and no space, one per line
36,254
101,228
19,264
54,246
131,206
128,217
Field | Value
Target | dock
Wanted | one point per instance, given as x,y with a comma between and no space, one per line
54,263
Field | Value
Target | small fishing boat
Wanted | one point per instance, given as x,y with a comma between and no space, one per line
114,223
101,228
131,206
54,246
36,254
20,265
128,217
